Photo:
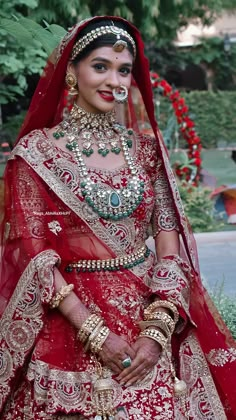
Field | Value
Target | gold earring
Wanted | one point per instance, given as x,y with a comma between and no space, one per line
71,83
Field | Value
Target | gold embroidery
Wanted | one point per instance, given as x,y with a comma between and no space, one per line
204,398
54,226
164,215
220,357
22,319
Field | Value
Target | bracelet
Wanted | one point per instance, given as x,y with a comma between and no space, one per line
61,295
156,336
161,316
93,334
156,323
97,343
87,327
162,304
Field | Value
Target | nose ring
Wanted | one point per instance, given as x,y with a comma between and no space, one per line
120,94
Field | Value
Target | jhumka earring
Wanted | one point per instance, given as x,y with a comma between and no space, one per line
71,83
120,94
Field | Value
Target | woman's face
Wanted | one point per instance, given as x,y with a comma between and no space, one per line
100,72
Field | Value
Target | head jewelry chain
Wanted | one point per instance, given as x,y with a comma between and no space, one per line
118,46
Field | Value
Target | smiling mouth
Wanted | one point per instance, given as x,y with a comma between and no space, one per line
108,96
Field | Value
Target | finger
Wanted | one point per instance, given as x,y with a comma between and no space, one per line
135,380
133,370
116,369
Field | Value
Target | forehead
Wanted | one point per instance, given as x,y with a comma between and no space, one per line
109,54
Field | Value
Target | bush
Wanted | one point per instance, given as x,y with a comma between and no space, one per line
226,306
199,208
214,115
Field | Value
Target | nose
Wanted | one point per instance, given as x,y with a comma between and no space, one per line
113,79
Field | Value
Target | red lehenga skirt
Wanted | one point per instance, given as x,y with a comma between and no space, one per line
58,377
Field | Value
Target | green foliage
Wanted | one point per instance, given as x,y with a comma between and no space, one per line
199,208
209,54
10,129
214,114
226,306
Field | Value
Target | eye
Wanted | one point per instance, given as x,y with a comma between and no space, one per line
99,67
125,70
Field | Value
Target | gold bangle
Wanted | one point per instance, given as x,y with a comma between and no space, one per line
87,327
156,323
97,343
156,336
162,304
161,316
93,334
61,295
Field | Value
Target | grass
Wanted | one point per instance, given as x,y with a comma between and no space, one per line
226,306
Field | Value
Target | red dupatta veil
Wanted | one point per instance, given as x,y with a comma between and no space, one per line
46,111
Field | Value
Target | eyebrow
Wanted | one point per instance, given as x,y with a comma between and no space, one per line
105,60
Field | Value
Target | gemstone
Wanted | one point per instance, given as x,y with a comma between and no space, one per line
129,143
114,200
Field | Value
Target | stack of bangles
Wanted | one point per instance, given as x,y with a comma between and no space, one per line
93,333
159,325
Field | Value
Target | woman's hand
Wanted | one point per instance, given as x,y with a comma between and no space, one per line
147,355
114,350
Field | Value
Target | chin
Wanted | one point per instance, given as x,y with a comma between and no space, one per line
103,108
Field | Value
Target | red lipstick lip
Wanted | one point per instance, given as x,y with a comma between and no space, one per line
106,95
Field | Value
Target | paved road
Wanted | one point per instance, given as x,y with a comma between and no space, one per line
217,257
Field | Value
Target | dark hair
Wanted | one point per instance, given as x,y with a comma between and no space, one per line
103,40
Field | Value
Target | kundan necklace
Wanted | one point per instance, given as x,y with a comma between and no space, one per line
94,128
108,202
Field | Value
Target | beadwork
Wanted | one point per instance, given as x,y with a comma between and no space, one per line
110,264
107,202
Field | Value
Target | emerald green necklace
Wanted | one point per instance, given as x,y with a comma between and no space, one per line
108,202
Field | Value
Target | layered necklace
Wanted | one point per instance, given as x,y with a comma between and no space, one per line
103,130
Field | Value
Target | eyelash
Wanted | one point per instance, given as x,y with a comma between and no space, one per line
101,67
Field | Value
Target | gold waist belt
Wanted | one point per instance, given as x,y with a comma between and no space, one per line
110,264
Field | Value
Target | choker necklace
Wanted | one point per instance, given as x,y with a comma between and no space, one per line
99,129
108,202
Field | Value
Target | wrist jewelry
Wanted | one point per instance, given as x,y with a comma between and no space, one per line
162,304
61,295
161,317
87,327
156,323
99,340
156,336
93,334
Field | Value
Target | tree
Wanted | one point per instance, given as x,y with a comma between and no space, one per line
158,21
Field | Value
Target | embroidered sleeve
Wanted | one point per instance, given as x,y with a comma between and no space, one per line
171,281
164,215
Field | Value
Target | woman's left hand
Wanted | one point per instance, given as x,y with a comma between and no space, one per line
147,353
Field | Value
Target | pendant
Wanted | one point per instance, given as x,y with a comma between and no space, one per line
114,200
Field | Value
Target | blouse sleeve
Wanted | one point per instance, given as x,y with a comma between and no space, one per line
164,215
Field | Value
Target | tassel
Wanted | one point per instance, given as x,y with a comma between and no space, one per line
180,387
103,394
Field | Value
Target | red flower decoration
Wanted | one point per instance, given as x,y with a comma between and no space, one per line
186,127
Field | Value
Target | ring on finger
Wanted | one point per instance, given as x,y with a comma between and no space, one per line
126,362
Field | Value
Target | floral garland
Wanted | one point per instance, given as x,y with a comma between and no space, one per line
186,127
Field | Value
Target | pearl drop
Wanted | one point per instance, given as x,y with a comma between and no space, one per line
180,387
